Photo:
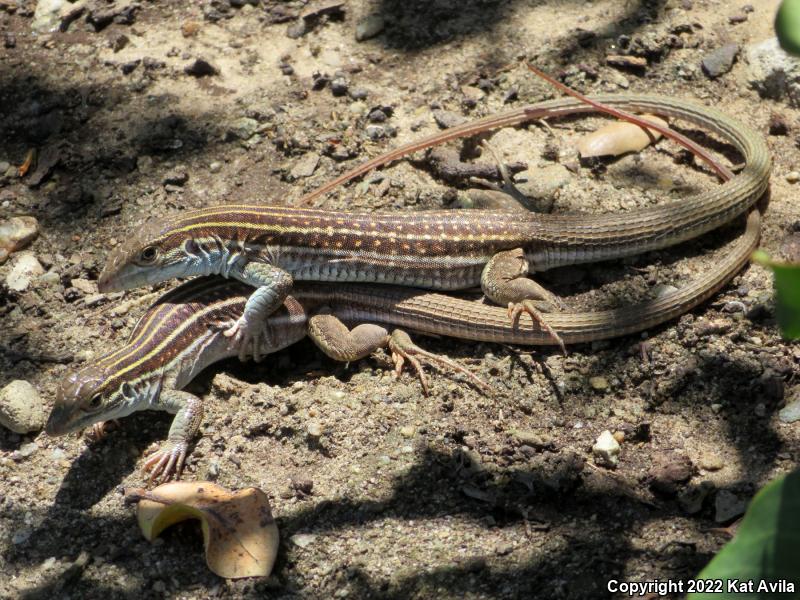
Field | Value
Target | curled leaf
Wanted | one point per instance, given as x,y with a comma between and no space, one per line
15,234
618,138
239,533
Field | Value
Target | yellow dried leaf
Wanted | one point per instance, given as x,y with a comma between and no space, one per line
239,533
618,138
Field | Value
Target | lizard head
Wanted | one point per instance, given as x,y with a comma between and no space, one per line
82,399
159,251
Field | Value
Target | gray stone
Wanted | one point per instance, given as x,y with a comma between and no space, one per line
306,166
791,412
720,60
369,26
243,128
47,16
24,269
21,408
773,73
728,506
543,183
200,68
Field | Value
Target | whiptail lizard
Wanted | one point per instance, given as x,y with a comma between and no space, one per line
183,333
270,247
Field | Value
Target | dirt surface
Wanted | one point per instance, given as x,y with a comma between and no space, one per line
455,495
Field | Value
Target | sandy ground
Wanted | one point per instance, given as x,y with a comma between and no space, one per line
455,495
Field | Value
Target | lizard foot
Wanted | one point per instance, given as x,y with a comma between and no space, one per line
515,311
166,462
244,335
403,349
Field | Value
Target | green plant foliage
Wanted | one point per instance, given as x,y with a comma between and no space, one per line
787,26
766,549
787,294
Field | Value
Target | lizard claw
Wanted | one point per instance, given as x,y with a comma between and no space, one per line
515,311
166,462
244,335
99,430
403,349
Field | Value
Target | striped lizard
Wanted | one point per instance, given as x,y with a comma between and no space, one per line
184,332
270,247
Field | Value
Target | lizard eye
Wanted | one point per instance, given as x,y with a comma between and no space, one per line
149,254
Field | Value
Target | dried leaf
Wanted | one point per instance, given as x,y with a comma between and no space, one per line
15,234
618,138
240,535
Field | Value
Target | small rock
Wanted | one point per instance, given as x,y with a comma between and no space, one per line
728,506
369,26
129,67
190,28
626,61
303,540
243,129
719,61
599,383
772,72
306,166
118,42
25,267
407,431
25,451
692,498
533,438
200,68
176,177
297,29
16,233
84,285
446,119
47,16
304,486
710,461
215,167
21,408
777,124
358,94
793,176
669,472
376,115
544,183
606,450
791,412
339,86
736,19
9,41
314,429
375,132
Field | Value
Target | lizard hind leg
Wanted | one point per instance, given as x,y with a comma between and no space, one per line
504,281
403,349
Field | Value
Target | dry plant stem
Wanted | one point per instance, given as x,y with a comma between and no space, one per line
724,172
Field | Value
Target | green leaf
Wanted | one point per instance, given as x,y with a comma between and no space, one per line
787,293
766,547
787,26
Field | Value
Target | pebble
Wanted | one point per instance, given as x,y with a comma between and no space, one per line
606,450
407,431
375,132
446,119
369,26
303,540
728,506
200,68
215,167
692,498
84,285
339,86
176,177
358,94
21,408
25,267
793,176
791,412
314,429
25,451
16,233
772,72
543,183
669,472
243,128
599,383
710,461
47,16
306,166
720,60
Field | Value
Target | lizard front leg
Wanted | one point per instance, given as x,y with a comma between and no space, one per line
168,460
504,280
338,342
272,285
